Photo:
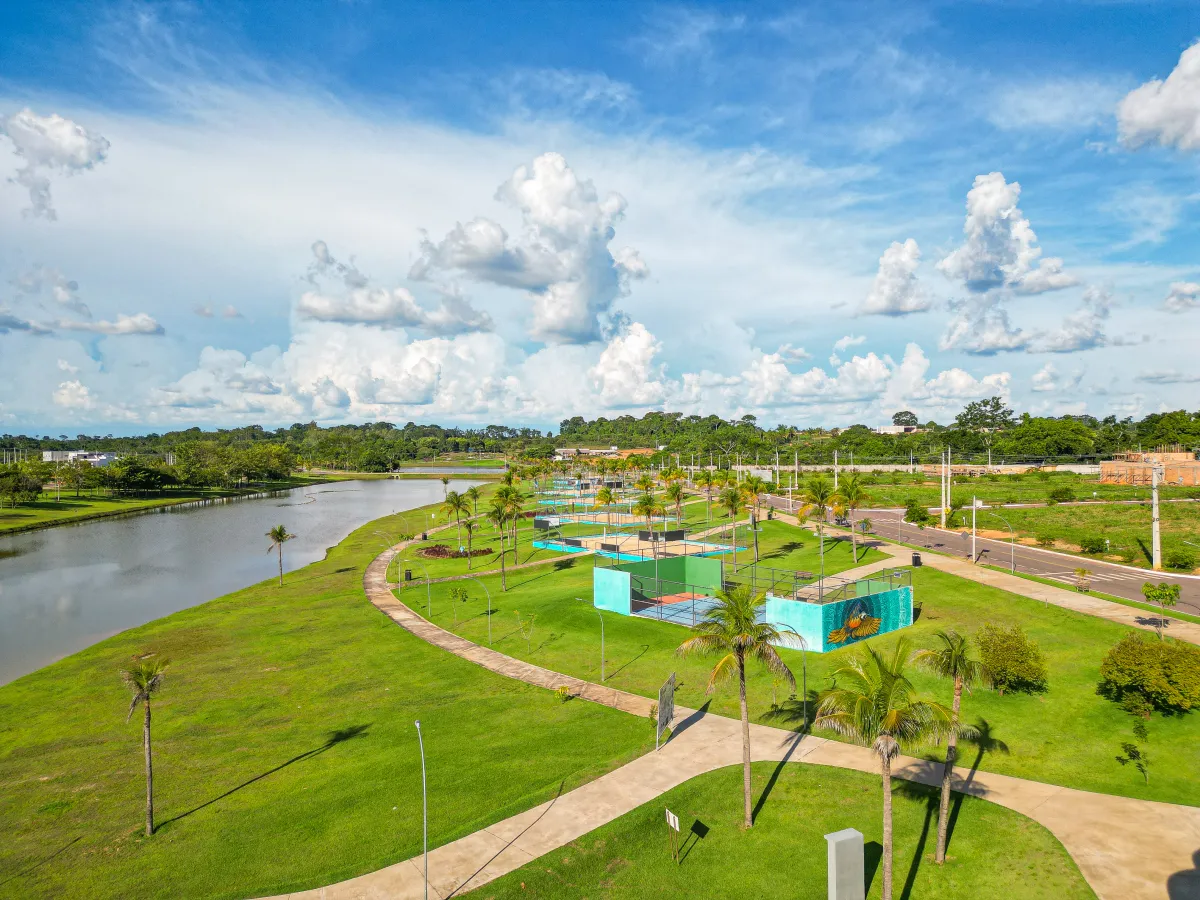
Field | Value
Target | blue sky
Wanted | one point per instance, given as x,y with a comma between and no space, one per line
481,212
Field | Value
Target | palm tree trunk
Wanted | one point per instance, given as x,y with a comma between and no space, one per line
948,772
734,545
149,773
503,577
853,539
458,527
754,531
281,565
745,740
886,766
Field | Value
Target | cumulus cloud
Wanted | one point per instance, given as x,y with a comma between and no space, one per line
1000,250
62,290
1082,329
895,291
788,353
65,366
625,374
1182,296
1048,379
1165,112
138,323
49,144
848,341
562,258
10,322
981,327
73,394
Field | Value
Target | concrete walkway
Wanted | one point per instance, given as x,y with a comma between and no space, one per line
1126,849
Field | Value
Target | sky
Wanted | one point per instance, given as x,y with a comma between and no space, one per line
475,213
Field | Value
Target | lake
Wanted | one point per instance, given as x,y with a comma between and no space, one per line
64,588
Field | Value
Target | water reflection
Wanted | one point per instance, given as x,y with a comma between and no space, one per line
64,588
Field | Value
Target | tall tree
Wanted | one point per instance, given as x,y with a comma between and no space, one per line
675,493
499,515
818,494
458,506
873,702
604,500
469,526
985,415
472,494
705,481
734,502
1164,595
732,628
144,678
753,488
951,658
279,536
851,495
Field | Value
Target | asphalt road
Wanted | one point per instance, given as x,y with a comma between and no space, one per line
1120,581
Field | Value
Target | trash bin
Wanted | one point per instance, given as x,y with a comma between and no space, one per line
916,560
424,535
408,573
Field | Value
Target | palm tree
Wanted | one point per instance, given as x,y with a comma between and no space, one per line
604,497
645,483
470,526
817,496
852,495
472,494
753,488
456,505
872,702
645,506
951,659
675,494
144,678
279,536
499,515
704,480
512,498
734,501
445,484
731,627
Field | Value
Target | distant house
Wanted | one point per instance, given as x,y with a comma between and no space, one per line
91,457
898,429
569,453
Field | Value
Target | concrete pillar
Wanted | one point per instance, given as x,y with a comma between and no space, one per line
1155,537
847,871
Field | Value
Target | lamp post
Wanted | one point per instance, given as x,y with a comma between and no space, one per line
424,809
428,599
1012,536
489,596
581,600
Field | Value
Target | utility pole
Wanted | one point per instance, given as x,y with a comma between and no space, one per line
795,468
974,506
835,470
943,474
776,468
1155,537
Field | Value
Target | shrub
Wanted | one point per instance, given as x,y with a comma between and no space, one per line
1093,545
1013,662
1143,675
1062,495
1179,559
916,513
1046,540
1127,554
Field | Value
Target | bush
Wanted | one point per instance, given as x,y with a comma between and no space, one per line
1046,540
1013,662
1143,674
1093,545
1062,495
1180,559
915,513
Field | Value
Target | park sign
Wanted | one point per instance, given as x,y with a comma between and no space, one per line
666,708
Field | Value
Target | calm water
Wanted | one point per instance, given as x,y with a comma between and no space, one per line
64,588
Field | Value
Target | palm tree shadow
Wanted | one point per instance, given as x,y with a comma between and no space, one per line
794,714
793,743
931,798
335,737
985,741
42,861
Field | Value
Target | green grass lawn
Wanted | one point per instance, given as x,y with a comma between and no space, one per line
1068,736
994,853
1126,526
48,511
285,753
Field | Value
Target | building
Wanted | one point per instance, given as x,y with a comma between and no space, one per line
93,457
1179,467
898,429
569,453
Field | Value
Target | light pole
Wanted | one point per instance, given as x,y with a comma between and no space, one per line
581,600
424,809
489,596
428,600
1012,536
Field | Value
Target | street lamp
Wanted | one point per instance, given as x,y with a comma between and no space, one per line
581,600
424,809
428,599
489,596
1012,540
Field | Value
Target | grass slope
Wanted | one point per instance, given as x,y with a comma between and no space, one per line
994,854
285,753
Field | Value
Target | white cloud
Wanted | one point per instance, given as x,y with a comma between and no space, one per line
1046,378
1149,213
65,366
1169,377
231,312
138,323
788,353
1165,112
980,326
1082,329
49,144
63,291
625,375
1183,295
895,291
848,341
204,311
1061,104
563,258
73,395
10,322
1000,250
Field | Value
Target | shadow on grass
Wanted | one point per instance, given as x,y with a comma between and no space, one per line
627,663
783,550
335,737
793,743
985,741
793,713
872,855
699,831
930,797
515,838
42,861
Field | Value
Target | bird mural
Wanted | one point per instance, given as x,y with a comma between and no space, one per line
859,623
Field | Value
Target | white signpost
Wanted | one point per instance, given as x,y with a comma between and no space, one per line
666,708
673,833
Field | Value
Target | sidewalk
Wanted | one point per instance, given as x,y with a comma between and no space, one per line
1125,848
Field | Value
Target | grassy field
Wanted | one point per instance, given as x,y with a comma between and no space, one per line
48,511
1068,736
1126,526
994,853
285,753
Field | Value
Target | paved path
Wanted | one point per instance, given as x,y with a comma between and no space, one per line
1127,849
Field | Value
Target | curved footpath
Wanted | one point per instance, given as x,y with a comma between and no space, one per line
1126,849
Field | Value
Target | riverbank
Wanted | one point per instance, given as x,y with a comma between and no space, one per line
69,510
